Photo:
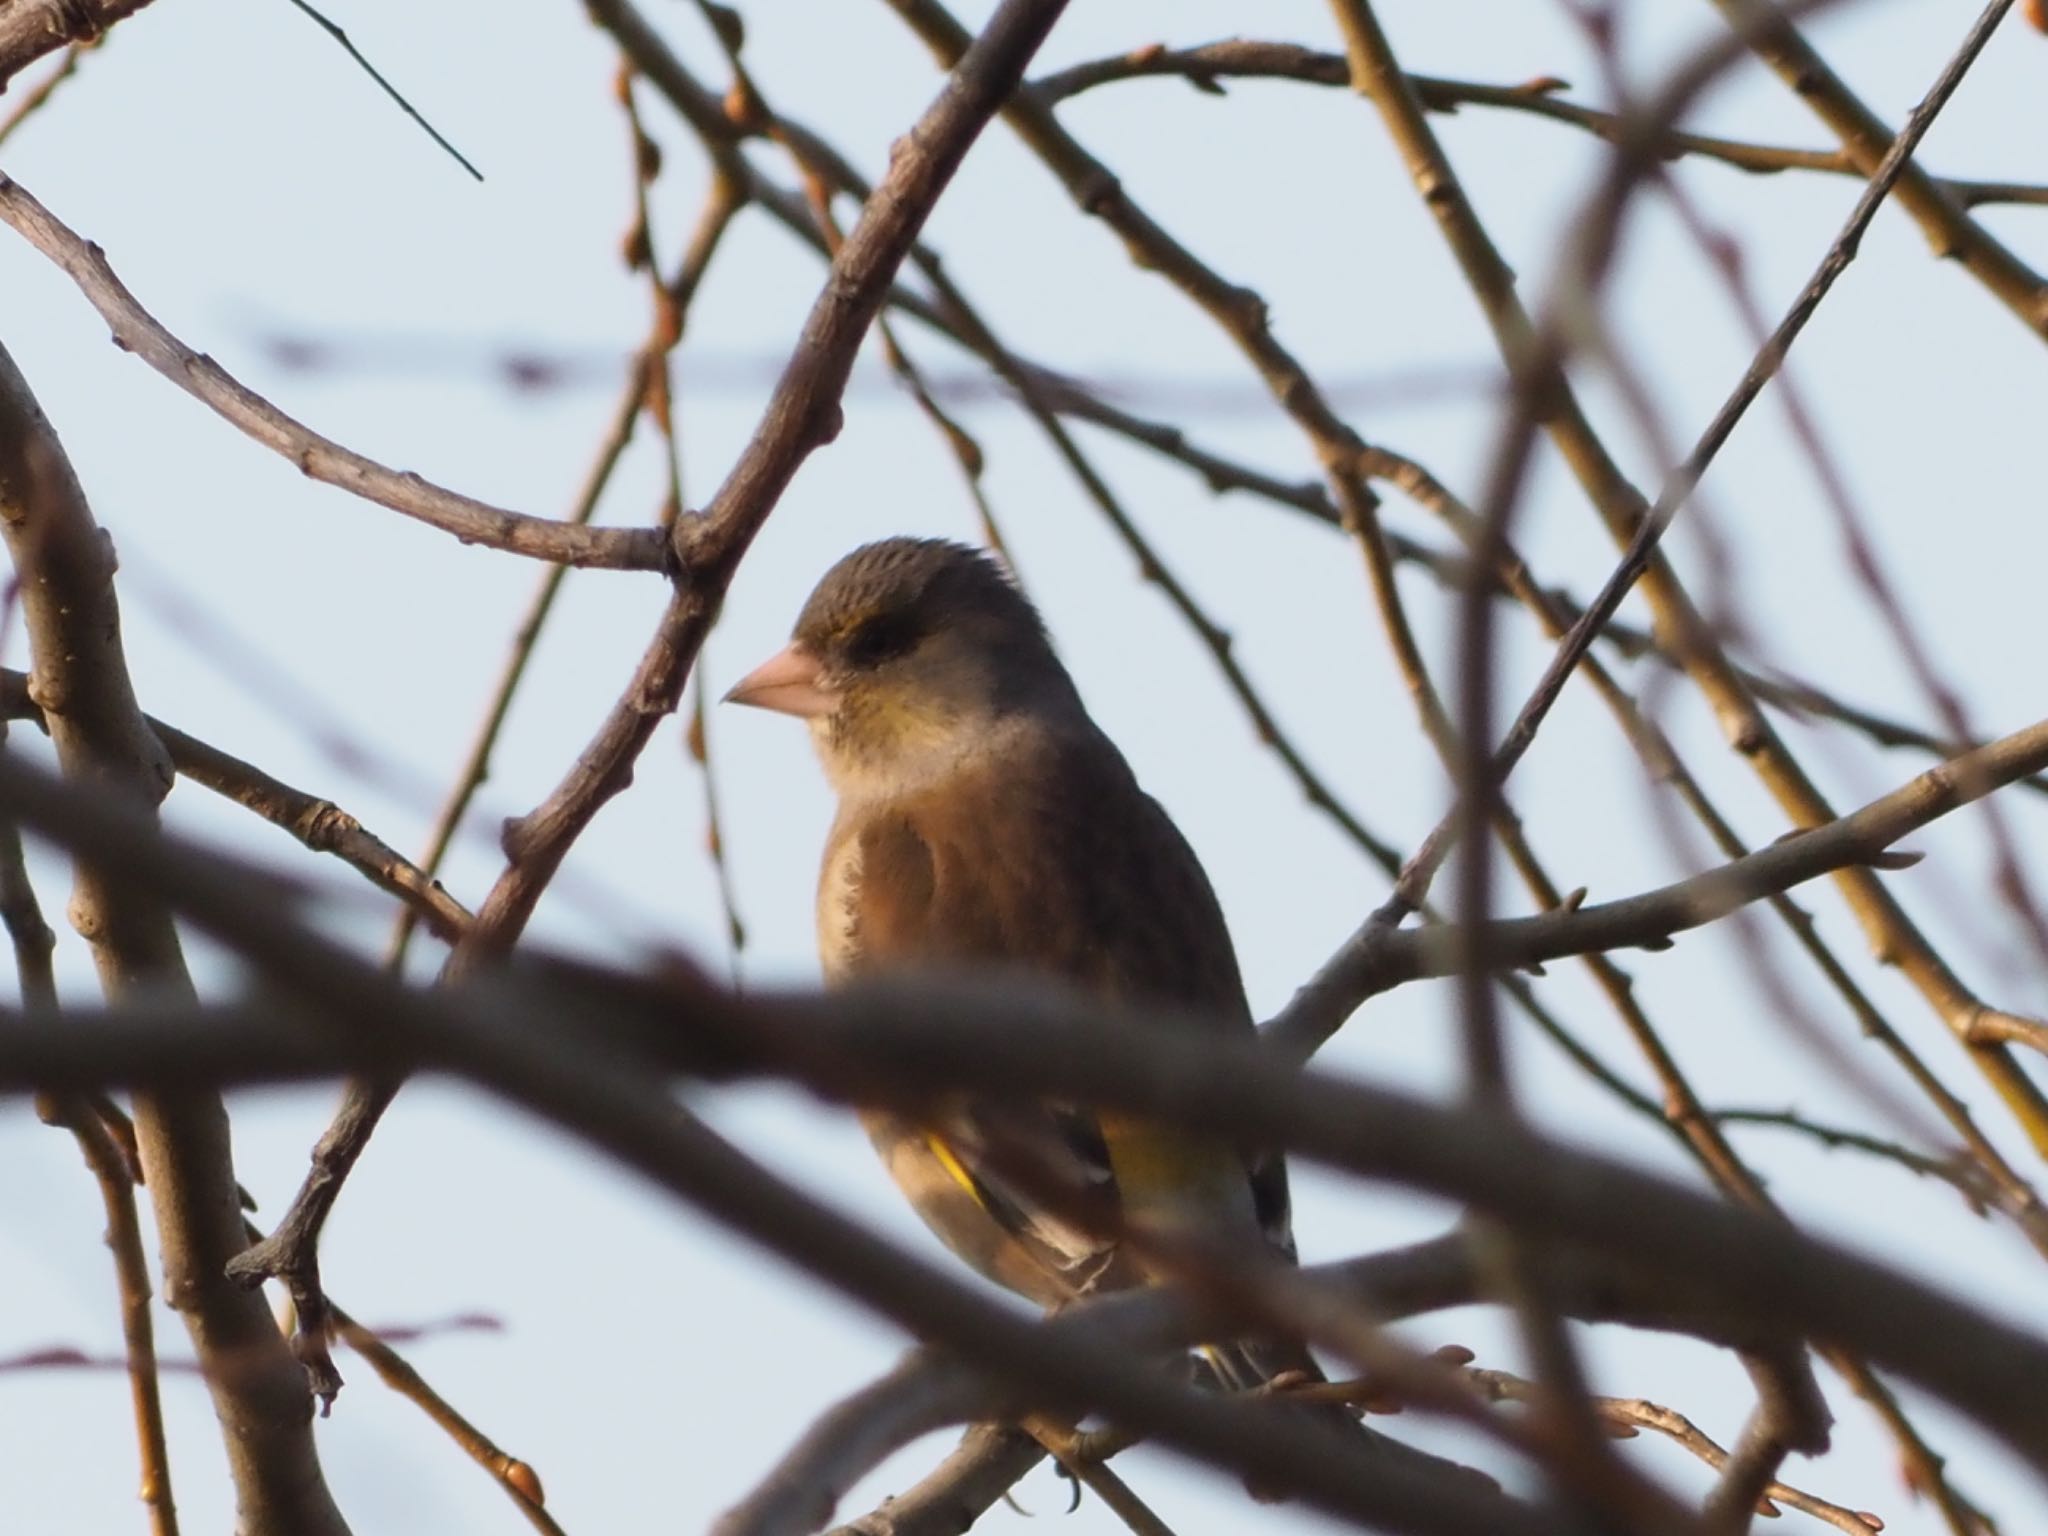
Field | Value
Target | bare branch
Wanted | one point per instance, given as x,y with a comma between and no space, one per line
31,28
80,679
473,522
1250,59
1949,229
1632,1413
898,1044
317,823
520,1482
1377,956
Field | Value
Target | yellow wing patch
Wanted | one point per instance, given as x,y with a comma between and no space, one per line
956,1169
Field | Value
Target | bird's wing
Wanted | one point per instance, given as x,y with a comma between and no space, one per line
1053,861
881,909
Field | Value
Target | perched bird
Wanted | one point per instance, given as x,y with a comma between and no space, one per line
985,821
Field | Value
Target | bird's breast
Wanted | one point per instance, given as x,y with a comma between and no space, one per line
838,907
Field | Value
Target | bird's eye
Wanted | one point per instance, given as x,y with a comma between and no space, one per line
880,638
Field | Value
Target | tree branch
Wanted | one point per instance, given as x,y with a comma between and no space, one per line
1250,59
1949,229
65,569
903,1044
473,522
31,28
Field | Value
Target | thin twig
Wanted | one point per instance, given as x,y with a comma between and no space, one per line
1244,58
1634,1413
721,203
387,87
1094,1474
36,96
697,741
319,824
112,1165
520,1482
1942,218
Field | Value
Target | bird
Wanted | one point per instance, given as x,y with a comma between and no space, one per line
986,822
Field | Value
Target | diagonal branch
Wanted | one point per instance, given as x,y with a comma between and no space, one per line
473,522
1942,217
1386,956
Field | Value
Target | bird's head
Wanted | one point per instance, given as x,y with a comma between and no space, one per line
905,657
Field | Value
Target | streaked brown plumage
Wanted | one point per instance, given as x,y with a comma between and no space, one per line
985,821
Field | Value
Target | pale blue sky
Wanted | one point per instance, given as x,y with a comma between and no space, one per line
245,181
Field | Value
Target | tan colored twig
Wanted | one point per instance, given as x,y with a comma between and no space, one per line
110,1171
520,1482
1993,1024
657,357
960,443
1244,58
1943,218
1062,1442
1629,1414
697,741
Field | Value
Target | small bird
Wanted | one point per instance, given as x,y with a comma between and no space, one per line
986,821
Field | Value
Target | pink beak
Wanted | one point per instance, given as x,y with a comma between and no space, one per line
788,683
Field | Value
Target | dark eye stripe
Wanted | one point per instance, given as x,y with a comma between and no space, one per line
880,638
